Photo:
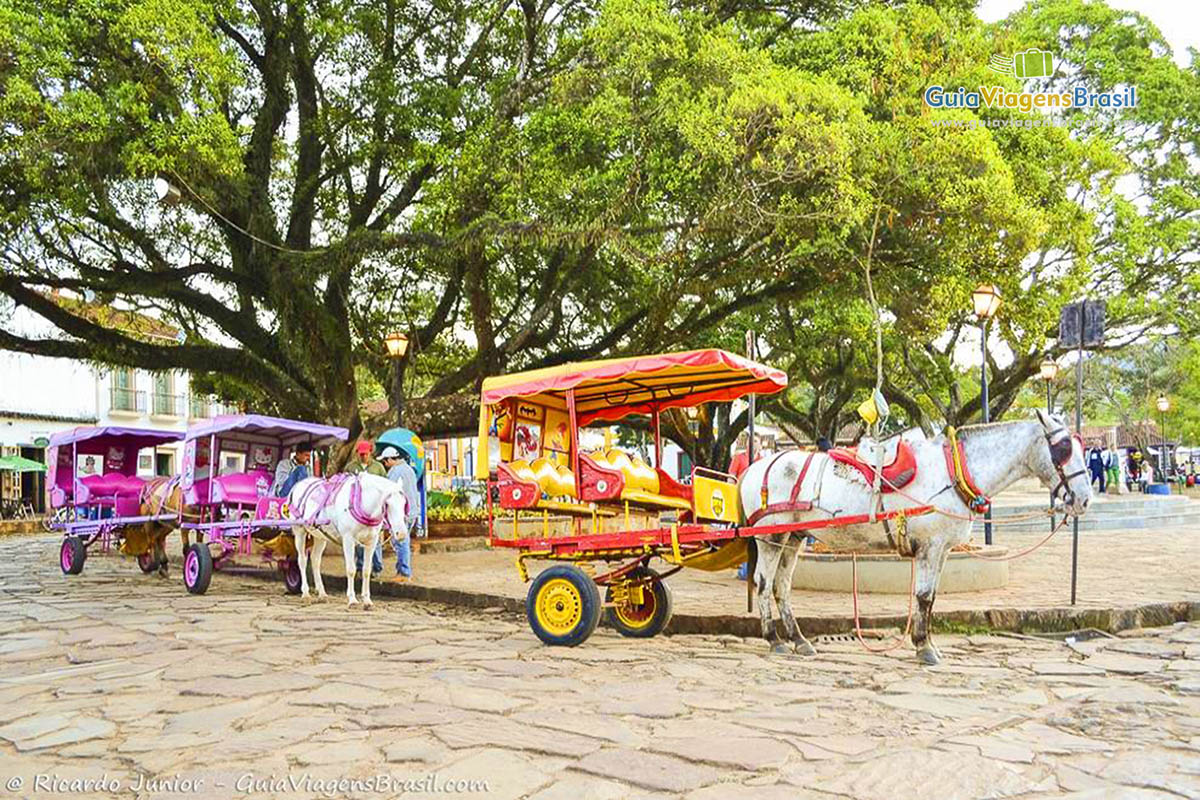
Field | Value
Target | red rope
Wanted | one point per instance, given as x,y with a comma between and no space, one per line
912,585
1019,553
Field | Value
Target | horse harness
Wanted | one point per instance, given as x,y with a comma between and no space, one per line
975,499
331,487
1060,454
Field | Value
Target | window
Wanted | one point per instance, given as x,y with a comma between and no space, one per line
165,401
164,464
124,395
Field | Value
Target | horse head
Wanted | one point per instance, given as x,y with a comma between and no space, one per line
1060,465
395,514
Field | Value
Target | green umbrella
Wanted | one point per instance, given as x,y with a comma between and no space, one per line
21,464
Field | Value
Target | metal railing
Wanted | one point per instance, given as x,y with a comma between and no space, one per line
206,407
128,400
167,405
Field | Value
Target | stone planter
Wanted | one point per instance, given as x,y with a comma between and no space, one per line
454,529
887,573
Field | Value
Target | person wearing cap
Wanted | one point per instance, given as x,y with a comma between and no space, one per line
290,471
400,471
365,462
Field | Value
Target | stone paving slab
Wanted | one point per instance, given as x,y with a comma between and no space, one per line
247,683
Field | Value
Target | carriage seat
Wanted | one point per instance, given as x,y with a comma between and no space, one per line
241,488
541,484
899,461
112,489
614,476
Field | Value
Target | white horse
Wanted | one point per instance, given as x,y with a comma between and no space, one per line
350,510
996,455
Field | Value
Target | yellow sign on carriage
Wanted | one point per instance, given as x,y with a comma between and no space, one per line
715,499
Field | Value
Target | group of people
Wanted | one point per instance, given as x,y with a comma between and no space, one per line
392,464
1104,467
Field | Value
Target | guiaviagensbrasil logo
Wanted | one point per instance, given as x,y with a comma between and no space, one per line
1030,64
1025,65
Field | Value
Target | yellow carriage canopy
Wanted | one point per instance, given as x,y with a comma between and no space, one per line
615,388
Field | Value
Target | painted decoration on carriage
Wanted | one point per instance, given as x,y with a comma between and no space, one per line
557,444
527,441
187,476
500,433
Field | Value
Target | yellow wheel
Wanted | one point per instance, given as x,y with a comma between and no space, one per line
563,606
642,607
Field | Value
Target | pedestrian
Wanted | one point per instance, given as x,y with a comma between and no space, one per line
364,461
291,470
1096,467
1112,465
400,471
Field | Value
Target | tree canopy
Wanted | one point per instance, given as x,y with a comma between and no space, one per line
521,183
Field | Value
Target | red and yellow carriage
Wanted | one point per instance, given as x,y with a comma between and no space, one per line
551,497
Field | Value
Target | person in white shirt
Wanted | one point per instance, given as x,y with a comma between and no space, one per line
400,471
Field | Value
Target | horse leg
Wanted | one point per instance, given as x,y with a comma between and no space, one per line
299,535
160,553
368,551
764,579
930,556
783,596
318,550
348,553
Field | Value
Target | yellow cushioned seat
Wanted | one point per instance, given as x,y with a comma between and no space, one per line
554,479
641,481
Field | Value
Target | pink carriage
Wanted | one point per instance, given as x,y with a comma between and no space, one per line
228,472
92,475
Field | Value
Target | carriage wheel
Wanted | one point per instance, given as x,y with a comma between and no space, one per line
147,563
291,576
644,618
72,555
197,568
563,606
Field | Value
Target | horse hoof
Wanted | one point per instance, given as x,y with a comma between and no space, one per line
368,606
928,655
781,649
805,649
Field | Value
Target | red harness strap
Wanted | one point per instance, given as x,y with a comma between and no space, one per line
975,499
792,503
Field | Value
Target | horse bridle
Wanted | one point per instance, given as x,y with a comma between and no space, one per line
1060,453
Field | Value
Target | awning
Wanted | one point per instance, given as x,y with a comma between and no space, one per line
20,464
615,388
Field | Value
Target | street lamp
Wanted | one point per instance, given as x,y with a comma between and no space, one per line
168,193
986,299
1163,406
1048,371
397,348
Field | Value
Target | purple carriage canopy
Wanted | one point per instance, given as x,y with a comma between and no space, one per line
261,440
117,448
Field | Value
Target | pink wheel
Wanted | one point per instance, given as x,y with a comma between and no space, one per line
72,555
291,576
147,563
197,568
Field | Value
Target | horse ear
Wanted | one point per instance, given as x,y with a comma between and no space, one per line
1044,418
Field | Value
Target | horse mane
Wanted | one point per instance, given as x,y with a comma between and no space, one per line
967,431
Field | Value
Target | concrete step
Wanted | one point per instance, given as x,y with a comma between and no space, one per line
1142,504
1102,522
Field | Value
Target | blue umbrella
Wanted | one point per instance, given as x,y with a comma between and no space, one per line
407,441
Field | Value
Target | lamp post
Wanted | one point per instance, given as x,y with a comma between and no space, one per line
397,348
1048,371
986,299
1163,406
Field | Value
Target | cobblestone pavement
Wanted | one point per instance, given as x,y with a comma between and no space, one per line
118,677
